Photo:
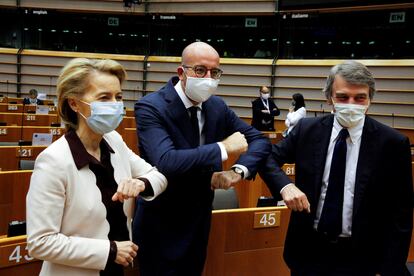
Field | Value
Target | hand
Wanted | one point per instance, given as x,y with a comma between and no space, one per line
235,143
126,252
224,180
291,109
128,188
295,199
265,111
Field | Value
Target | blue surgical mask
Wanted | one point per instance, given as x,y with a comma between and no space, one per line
105,116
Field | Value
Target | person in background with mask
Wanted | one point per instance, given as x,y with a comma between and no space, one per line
296,112
353,197
264,111
187,132
82,191
32,99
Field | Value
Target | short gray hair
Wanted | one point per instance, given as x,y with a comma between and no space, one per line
353,72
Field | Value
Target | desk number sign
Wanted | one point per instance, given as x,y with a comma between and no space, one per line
266,219
14,254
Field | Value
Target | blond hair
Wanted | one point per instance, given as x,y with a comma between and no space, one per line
74,81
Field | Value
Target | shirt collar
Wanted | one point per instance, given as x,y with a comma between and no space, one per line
354,132
187,103
79,153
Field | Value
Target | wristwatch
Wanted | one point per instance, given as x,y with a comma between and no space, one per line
238,171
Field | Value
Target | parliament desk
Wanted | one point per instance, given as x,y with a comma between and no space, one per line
13,154
128,122
18,108
242,242
274,136
16,133
14,258
13,186
28,119
130,138
12,100
246,242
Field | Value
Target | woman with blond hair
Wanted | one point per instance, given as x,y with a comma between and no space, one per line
83,187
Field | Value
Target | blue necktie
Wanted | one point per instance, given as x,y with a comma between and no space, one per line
194,123
331,218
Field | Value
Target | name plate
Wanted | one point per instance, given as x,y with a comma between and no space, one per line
30,117
55,131
12,107
24,152
14,254
266,219
289,169
272,135
3,131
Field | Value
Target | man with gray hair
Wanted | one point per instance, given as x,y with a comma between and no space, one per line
348,167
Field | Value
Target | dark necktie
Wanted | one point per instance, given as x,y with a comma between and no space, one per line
331,217
194,123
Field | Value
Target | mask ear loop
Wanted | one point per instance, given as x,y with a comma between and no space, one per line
81,112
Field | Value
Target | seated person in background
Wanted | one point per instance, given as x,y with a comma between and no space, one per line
81,198
264,111
32,99
296,112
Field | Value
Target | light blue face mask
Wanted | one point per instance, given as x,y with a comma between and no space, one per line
105,116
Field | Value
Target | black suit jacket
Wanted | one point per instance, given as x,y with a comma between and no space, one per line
27,101
179,219
383,197
258,116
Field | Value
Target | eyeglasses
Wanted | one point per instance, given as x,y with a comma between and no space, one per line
201,71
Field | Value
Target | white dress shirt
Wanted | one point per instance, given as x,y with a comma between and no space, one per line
353,145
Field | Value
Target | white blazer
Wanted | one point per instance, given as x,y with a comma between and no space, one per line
293,118
66,219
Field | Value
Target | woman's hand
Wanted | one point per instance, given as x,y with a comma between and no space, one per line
128,188
126,252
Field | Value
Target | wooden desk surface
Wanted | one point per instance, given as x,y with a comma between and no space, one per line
237,248
14,258
14,154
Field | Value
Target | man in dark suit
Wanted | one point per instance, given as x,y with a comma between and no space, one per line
32,99
352,200
264,111
186,132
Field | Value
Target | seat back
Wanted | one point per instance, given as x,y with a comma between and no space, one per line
225,199
26,164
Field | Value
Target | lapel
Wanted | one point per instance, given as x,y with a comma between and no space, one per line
366,162
210,121
320,147
177,111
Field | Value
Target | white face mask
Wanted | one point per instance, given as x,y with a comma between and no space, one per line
105,116
200,89
265,96
349,115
